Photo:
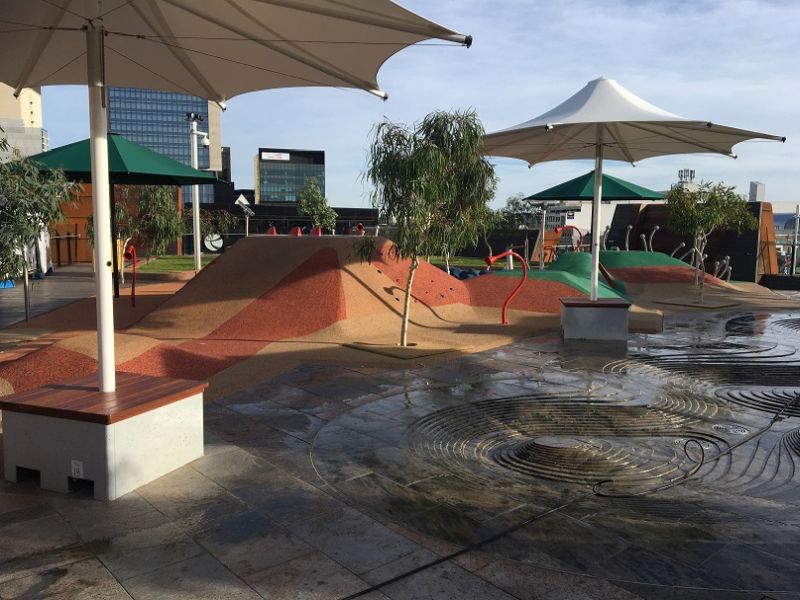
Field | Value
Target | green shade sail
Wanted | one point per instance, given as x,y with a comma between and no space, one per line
582,188
128,163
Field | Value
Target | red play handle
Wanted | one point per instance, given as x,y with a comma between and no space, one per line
490,261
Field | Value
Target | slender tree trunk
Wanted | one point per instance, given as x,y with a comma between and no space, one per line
488,245
702,272
698,258
25,284
447,261
407,304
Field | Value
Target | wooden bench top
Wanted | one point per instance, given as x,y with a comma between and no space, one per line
81,400
599,303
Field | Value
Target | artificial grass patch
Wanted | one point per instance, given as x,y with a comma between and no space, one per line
611,259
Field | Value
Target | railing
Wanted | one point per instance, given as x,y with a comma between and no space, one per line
66,244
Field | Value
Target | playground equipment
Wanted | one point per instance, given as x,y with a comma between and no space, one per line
490,260
650,239
628,237
130,254
678,247
723,268
562,229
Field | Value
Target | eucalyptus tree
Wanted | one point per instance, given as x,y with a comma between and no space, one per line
312,203
30,200
213,222
702,211
158,220
434,181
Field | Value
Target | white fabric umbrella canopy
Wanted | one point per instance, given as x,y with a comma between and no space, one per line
606,121
213,49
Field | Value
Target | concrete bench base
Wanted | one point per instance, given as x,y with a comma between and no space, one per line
606,319
117,457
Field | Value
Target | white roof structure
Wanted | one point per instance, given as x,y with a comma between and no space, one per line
632,129
213,49
606,121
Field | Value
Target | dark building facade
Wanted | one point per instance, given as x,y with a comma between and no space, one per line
157,120
280,173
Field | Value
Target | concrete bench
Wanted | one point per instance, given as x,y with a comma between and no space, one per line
119,440
601,319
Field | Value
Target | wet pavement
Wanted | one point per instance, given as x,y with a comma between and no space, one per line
532,471
67,284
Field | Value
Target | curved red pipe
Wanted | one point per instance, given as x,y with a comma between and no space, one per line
607,276
490,260
130,254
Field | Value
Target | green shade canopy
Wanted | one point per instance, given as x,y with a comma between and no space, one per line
128,163
582,188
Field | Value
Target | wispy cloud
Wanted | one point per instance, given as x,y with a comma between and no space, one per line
729,61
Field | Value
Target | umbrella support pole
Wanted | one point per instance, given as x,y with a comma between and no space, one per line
596,203
98,125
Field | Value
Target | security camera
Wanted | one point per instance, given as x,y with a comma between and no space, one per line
222,106
205,142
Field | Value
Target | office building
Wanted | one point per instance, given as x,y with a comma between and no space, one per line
21,121
157,120
280,173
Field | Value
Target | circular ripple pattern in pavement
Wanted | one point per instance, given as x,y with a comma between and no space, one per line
454,463
768,400
565,439
791,324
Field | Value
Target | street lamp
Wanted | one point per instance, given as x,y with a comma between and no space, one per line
193,119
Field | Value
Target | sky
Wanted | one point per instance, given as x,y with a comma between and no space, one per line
728,61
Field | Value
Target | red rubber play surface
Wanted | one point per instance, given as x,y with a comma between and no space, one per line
309,298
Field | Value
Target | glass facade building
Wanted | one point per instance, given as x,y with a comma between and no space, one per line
280,173
157,120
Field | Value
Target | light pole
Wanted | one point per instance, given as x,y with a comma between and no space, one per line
193,119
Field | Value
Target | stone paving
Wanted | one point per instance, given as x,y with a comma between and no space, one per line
65,285
532,471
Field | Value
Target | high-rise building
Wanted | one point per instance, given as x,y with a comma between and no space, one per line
21,121
157,120
280,173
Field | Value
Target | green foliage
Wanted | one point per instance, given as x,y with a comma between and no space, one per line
700,212
159,222
30,200
213,222
434,182
708,208
364,248
127,227
516,213
312,203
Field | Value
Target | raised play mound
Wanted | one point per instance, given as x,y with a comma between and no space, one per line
308,299
434,287
44,366
267,290
638,258
637,266
664,274
572,270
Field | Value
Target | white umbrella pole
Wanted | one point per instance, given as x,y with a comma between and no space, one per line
195,202
598,195
541,245
98,126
